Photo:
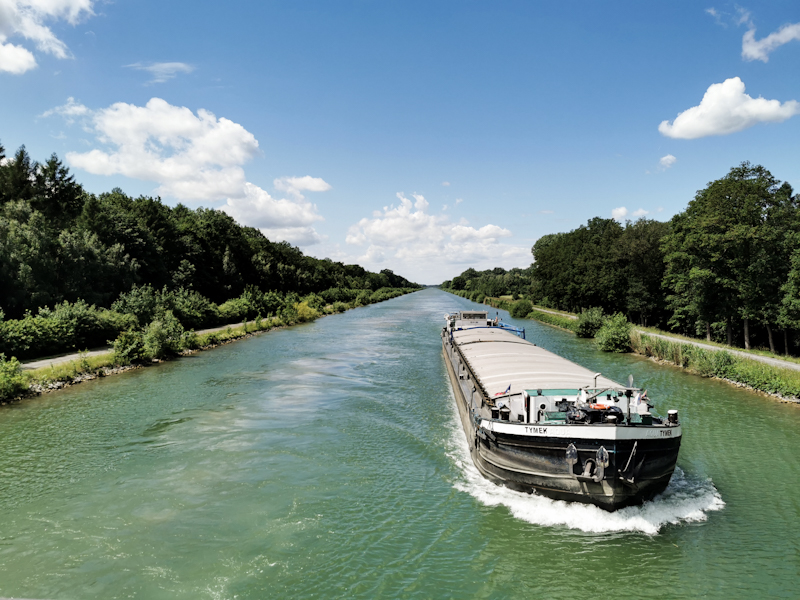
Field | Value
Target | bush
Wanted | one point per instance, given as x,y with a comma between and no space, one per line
189,340
12,381
305,312
480,298
589,322
521,309
615,334
162,337
235,309
128,347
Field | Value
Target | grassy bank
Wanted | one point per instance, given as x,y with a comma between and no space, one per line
137,349
551,319
720,364
778,381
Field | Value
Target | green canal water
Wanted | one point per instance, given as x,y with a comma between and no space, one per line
326,461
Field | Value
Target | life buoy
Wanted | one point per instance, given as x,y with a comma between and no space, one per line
600,406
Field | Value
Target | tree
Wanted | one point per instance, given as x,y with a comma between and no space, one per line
580,269
726,254
17,177
642,264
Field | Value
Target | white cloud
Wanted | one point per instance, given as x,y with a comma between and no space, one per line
282,219
446,183
667,161
410,240
163,71
27,19
753,49
258,209
546,212
297,185
16,59
459,201
70,110
619,214
191,157
725,109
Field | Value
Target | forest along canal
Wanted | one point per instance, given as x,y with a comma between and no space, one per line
326,461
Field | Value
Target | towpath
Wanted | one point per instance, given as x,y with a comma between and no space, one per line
58,359
776,362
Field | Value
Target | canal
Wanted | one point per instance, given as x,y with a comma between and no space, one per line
326,461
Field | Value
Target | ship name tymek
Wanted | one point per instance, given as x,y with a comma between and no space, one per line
536,430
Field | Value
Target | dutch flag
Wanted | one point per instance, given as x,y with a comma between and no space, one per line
508,389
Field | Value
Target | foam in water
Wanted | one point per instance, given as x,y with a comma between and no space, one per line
685,500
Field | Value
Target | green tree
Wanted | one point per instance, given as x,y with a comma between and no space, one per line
725,251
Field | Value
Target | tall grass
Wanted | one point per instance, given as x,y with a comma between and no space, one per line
719,363
555,320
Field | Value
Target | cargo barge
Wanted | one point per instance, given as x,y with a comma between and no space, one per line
537,422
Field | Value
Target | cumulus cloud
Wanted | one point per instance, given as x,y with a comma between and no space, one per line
667,161
412,240
28,19
191,156
16,59
619,213
278,219
297,185
753,49
724,109
163,71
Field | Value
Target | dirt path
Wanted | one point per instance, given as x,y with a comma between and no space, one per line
776,362
58,359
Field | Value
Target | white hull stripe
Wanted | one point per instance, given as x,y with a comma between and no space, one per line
584,432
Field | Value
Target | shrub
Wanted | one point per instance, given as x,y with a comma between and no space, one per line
305,312
128,347
189,340
234,310
521,309
480,297
162,337
589,322
615,334
12,381
314,301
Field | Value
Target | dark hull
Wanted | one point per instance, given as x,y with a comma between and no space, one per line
538,464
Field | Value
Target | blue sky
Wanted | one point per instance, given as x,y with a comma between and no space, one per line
423,137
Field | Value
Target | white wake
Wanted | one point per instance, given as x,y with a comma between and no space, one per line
685,500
